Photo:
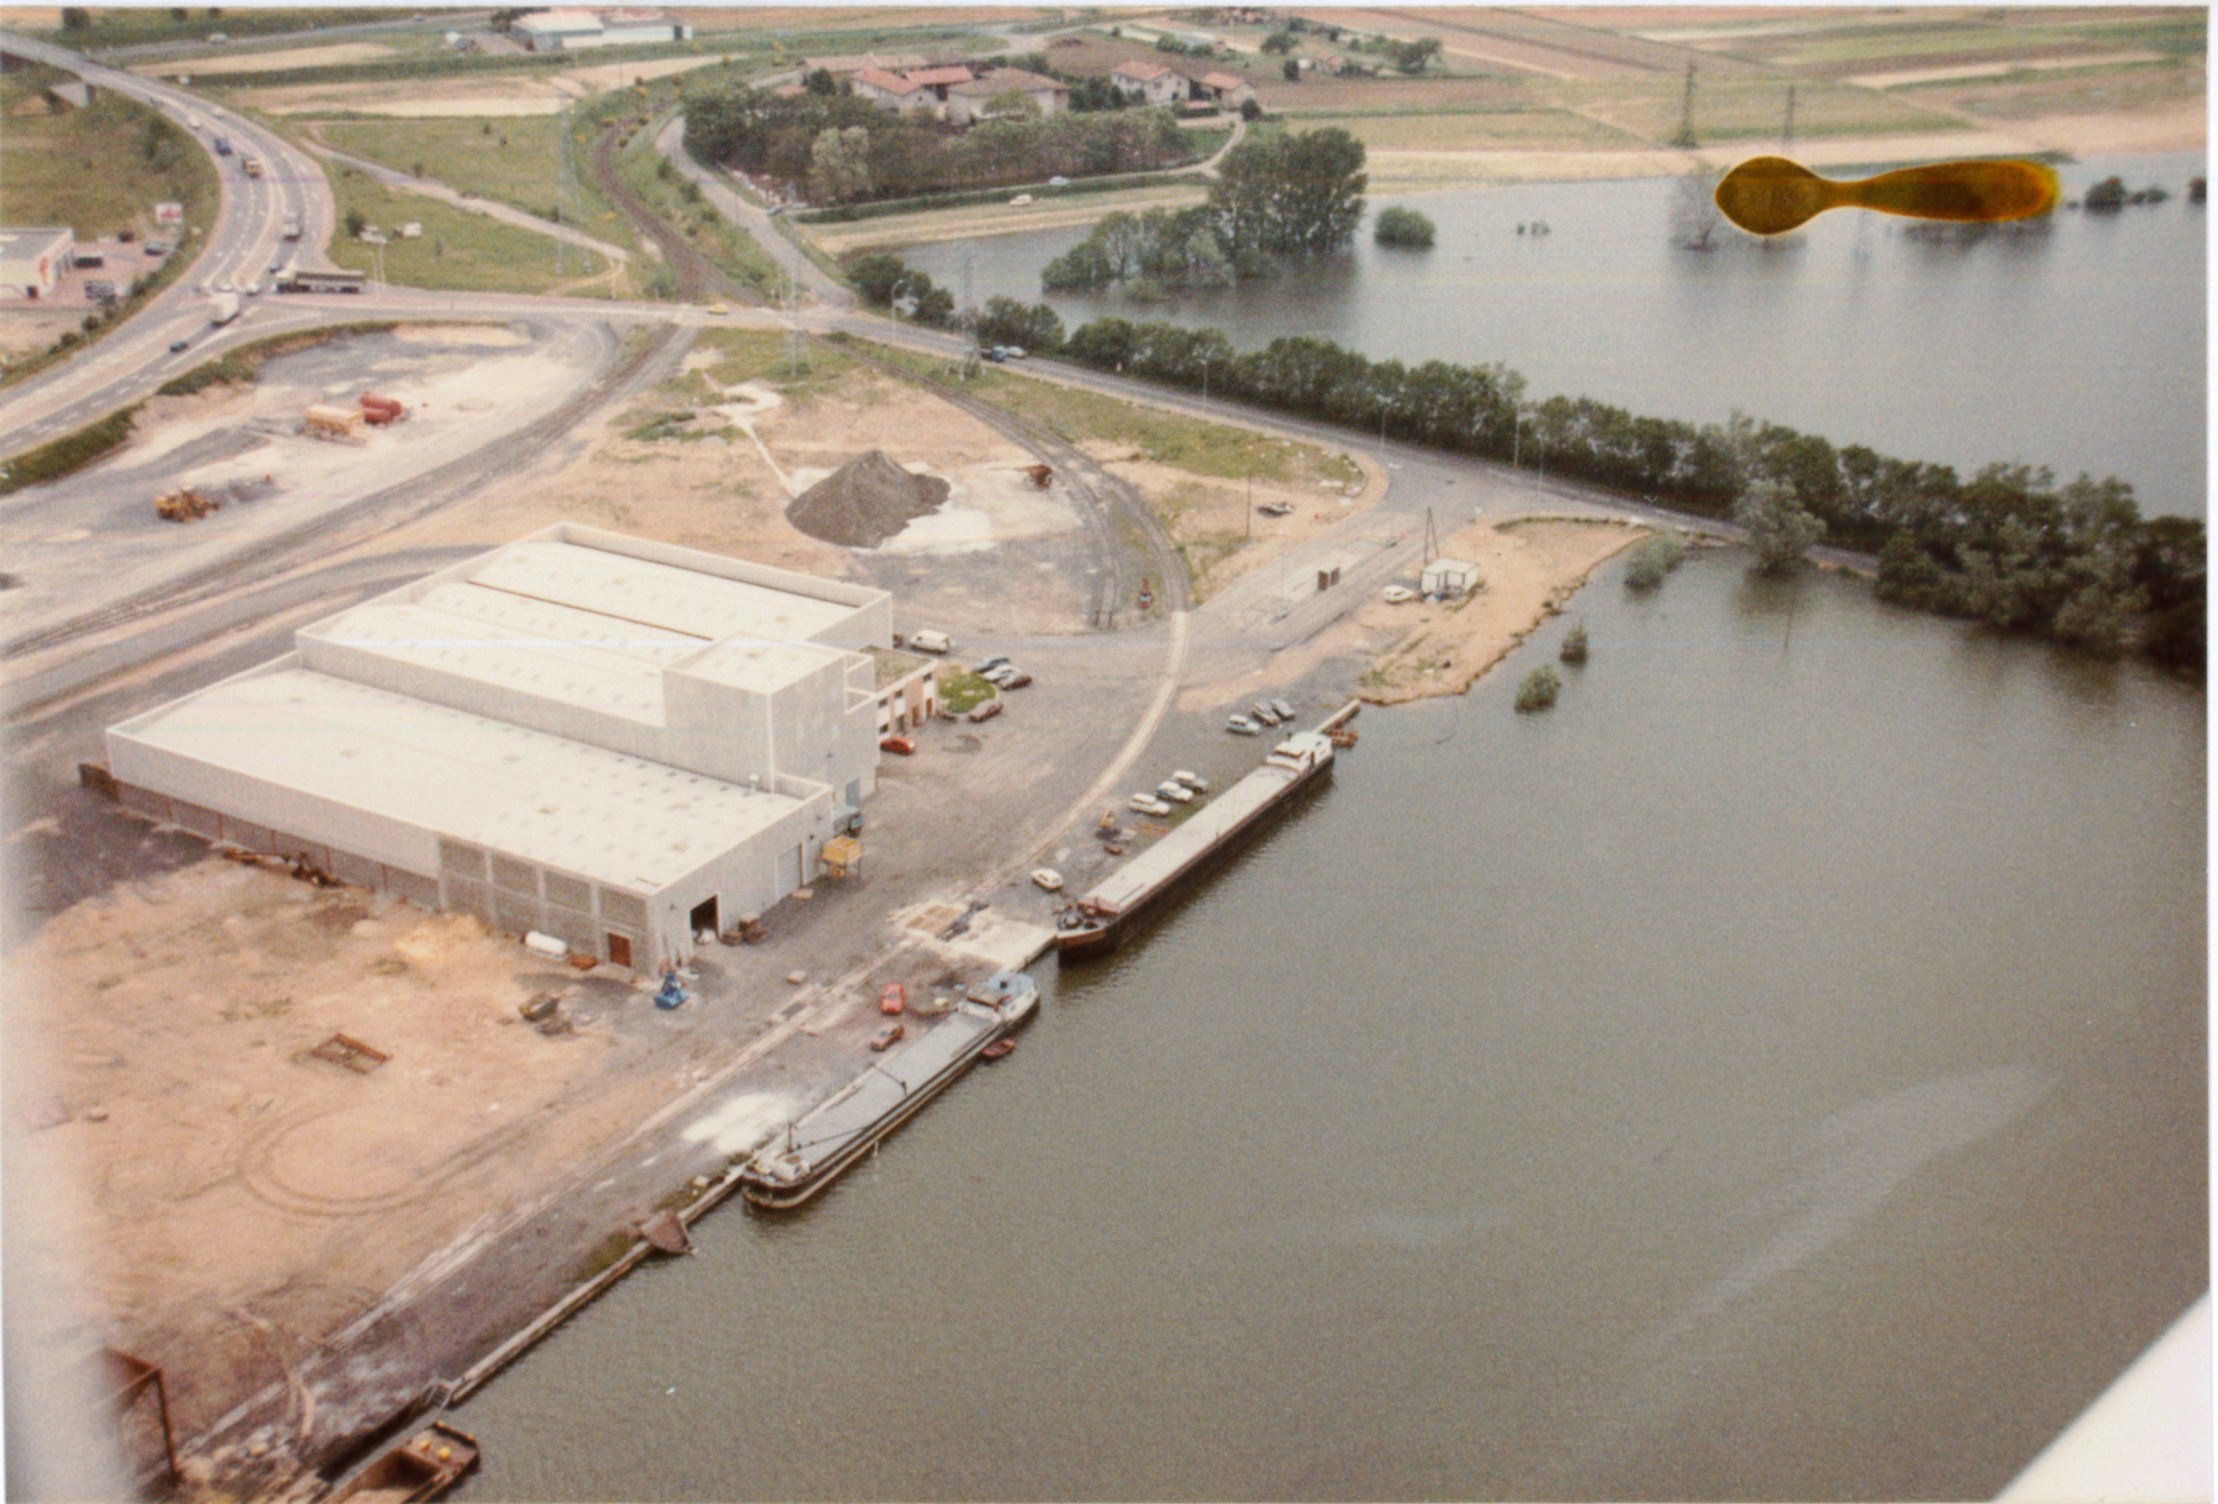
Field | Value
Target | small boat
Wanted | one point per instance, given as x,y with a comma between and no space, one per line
1048,879
997,1049
423,1467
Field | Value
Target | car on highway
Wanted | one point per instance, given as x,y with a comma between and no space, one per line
992,353
717,309
899,745
177,345
1014,352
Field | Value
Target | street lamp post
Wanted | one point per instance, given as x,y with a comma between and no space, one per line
1205,383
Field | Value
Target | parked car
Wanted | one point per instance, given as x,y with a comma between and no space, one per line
1000,676
886,1038
894,999
1047,879
991,353
1194,781
1017,679
1275,508
1176,792
1240,725
988,665
1263,712
717,309
1014,352
931,642
1148,804
1285,711
900,745
1399,595
986,712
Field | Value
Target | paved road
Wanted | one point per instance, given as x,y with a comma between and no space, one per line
238,248
752,218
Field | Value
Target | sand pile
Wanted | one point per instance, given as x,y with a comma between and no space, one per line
865,501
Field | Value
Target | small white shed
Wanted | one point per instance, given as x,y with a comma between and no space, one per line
1449,577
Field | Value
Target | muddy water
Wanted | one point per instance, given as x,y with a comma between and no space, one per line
1776,1072
2081,347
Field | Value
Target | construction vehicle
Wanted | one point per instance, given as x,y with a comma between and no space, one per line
323,420
380,411
184,505
223,308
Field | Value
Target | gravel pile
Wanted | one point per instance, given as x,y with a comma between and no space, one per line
865,502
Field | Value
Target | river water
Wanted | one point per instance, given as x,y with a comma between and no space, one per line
1778,1071
2082,348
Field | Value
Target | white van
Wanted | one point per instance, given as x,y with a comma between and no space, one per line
931,642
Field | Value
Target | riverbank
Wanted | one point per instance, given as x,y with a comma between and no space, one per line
1530,568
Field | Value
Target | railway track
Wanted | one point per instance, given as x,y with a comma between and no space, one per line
697,276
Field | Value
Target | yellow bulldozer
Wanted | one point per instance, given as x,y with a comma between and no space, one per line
183,505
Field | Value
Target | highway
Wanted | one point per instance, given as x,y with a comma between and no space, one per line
239,248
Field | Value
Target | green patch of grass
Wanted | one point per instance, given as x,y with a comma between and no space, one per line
243,366
761,355
70,453
680,203
512,160
962,691
117,26
458,250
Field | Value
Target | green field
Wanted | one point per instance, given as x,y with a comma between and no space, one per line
1744,109
458,250
107,26
1523,129
514,160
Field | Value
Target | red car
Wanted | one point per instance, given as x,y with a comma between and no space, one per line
900,744
987,711
895,999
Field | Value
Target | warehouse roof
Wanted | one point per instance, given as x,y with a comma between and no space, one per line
630,589
617,820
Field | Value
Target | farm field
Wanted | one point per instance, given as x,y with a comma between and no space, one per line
1493,130
218,65
790,18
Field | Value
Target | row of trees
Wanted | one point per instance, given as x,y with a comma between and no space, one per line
1289,195
2009,546
848,150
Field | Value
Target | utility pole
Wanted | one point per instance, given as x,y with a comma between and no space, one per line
565,185
1251,504
1685,138
1432,541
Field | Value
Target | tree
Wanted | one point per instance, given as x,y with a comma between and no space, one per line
1574,645
1279,43
356,224
2110,193
1411,57
839,165
75,18
1652,559
822,84
1251,110
1538,689
1403,229
1779,530
1292,195
1291,71
876,274
1005,321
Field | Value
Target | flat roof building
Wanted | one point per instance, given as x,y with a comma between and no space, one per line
32,261
613,741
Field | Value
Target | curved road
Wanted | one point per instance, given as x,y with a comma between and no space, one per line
238,248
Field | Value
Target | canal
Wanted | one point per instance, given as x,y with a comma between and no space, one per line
2081,347
1778,1071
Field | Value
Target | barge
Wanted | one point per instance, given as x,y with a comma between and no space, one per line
813,1150
1100,921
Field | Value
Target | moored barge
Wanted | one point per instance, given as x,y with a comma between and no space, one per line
1100,921
813,1150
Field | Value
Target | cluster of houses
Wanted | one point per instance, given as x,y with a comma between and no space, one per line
963,93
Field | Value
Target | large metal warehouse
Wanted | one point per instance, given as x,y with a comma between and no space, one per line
610,740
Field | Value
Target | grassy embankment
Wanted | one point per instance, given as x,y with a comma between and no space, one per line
144,160
513,160
670,197
458,250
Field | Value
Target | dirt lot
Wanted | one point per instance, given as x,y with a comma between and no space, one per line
239,1197
1530,566
496,94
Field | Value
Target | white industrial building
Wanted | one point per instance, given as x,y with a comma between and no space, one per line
32,261
612,741
1449,577
575,30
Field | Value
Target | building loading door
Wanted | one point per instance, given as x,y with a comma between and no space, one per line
703,916
619,950
789,871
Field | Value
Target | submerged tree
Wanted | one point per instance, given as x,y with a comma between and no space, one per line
1779,530
1538,689
1574,645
